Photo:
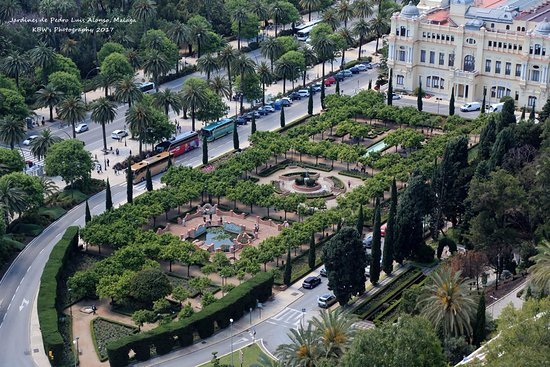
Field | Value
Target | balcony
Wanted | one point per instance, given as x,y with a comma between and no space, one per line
466,75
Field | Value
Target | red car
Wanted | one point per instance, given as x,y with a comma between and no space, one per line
330,81
383,229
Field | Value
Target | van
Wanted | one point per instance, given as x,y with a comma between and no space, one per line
473,106
496,107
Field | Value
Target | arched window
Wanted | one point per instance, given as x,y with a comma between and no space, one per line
469,63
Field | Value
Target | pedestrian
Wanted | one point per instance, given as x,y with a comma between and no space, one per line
349,183
130,152
95,157
43,121
107,162
117,151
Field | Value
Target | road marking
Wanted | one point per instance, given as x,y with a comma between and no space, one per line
8,308
17,289
23,304
41,251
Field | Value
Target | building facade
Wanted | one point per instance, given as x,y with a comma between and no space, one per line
497,47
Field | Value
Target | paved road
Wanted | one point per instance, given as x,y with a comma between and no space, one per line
19,285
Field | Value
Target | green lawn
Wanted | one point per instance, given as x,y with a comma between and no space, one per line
251,354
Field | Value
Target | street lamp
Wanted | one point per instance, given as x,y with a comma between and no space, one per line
493,305
86,77
198,45
303,316
231,328
75,341
438,99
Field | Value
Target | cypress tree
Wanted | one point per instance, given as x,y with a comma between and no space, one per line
419,96
370,84
483,102
282,116
337,86
487,138
88,215
390,88
479,327
310,103
376,241
253,128
288,269
311,253
532,114
389,239
235,136
129,183
522,118
545,113
323,95
452,103
204,150
148,180
507,116
360,220
108,197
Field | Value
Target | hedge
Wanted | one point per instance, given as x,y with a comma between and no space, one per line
48,307
180,333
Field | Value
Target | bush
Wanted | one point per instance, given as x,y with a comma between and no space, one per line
425,254
446,241
47,295
104,330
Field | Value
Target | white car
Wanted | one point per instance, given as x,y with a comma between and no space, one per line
269,108
81,128
361,67
395,96
303,93
29,140
316,87
473,106
119,134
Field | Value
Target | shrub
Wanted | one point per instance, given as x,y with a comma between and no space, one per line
446,241
424,254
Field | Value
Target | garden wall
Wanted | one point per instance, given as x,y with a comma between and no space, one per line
48,307
181,333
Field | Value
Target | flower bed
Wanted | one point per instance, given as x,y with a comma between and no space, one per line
104,331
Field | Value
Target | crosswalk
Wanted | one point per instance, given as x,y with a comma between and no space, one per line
27,156
288,317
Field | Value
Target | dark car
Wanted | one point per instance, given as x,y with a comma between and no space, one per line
248,116
241,120
354,70
339,76
311,282
367,241
294,96
262,111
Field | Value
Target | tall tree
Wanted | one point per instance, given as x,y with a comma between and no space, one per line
87,213
129,182
148,180
507,116
345,261
376,246
390,88
360,220
480,322
108,197
12,131
73,110
204,151
272,49
194,96
220,85
303,349
391,233
235,136
282,116
243,65
15,65
226,57
139,118
309,5
310,102
311,258
532,114
487,138
545,113
361,29
127,91
44,141
337,89
483,102
253,127
335,332
239,15
266,77
208,64
419,96
287,278
49,97
452,103
379,26
167,99
42,56
103,112
156,64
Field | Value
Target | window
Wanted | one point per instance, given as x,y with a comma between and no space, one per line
435,82
492,25
423,34
441,83
507,68
441,58
497,67
452,38
432,57
403,31
469,63
422,55
490,43
532,101
487,66
470,41
543,51
401,55
537,49
428,82
499,92
518,69
508,27
516,97
451,60
535,75
400,79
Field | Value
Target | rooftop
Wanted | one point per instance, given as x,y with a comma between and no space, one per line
536,14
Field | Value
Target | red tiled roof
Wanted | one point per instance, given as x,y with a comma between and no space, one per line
439,17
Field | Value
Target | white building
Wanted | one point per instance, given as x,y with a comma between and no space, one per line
500,45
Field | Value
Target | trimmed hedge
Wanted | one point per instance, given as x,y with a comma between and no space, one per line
356,174
48,307
180,333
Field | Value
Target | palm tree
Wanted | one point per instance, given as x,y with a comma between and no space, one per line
447,302
41,145
16,65
144,10
239,15
208,64
198,31
226,57
127,91
9,9
363,9
49,96
166,100
309,59
139,118
243,65
266,77
12,131
335,331
220,85
193,96
72,110
303,350
284,68
379,25
103,112
324,47
540,271
49,186
277,12
344,11
156,64
272,49
69,47
259,9
348,41
330,17
12,198
134,58
362,30
309,5
42,56
180,34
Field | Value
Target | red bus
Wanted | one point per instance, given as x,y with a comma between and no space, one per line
180,144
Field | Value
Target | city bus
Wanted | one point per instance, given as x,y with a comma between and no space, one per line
217,129
303,31
156,164
307,25
186,141
146,87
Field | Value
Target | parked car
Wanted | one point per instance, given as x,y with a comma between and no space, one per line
269,108
248,116
29,140
496,107
311,282
316,87
347,73
81,128
241,120
330,81
262,111
326,300
361,67
323,272
383,229
119,134
285,101
303,93
395,96
294,96
368,65
354,70
473,106
340,76
367,241
367,271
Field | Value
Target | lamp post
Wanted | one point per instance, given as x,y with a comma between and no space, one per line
493,305
231,328
303,316
198,45
76,353
86,77
438,99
